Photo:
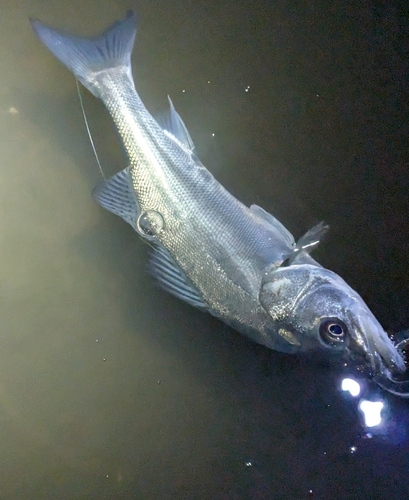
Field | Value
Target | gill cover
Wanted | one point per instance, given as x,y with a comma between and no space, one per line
299,299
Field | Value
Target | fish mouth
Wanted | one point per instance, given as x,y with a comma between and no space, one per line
386,359
393,382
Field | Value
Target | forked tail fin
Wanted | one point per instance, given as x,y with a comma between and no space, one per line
87,56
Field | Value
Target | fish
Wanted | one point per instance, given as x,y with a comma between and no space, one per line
237,263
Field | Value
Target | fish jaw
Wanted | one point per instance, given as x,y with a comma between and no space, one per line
382,359
389,368
385,378
378,349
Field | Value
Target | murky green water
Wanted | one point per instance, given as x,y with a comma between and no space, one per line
111,389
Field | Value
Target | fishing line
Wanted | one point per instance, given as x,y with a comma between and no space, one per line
88,130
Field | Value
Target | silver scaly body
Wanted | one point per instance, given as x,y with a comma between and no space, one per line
222,246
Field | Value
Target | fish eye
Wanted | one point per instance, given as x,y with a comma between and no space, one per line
333,332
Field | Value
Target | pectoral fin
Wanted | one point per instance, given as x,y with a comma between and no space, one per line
117,195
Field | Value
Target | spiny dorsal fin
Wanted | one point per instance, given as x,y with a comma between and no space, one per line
311,238
306,244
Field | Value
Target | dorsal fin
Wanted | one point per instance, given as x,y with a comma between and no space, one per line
311,238
307,243
173,125
273,224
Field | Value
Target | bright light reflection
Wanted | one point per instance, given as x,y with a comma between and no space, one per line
371,411
351,385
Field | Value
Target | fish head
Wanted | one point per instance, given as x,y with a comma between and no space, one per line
316,310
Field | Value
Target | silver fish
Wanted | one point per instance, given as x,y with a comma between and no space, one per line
239,264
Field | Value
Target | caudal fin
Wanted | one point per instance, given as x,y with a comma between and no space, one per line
87,56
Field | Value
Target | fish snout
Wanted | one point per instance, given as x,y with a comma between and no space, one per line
387,360
379,347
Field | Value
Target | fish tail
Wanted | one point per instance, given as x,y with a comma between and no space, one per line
87,56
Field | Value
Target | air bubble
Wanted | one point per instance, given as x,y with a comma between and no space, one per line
150,223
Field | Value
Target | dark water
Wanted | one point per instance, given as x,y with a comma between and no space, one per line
110,389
